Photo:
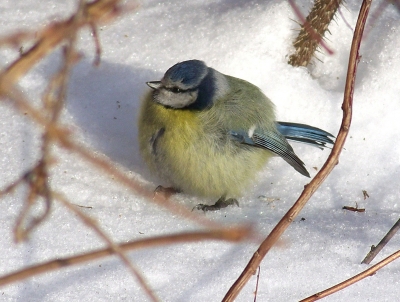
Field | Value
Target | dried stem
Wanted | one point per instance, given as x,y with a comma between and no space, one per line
96,39
48,39
38,188
37,178
331,162
376,249
258,279
369,272
111,245
61,136
53,103
227,234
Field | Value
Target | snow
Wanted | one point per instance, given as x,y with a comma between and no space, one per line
249,40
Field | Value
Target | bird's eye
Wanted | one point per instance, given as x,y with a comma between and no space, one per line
176,90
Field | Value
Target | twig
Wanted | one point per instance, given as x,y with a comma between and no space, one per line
258,279
353,209
331,162
49,38
61,136
36,179
369,272
111,245
376,249
53,102
227,234
95,34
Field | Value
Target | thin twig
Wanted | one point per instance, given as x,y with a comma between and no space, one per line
330,163
376,249
53,102
51,36
258,279
227,234
369,272
48,39
111,245
36,179
61,136
95,34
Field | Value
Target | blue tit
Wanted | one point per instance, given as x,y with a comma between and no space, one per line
208,134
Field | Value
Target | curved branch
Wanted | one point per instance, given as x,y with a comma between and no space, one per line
331,162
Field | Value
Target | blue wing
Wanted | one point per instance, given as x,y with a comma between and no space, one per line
275,141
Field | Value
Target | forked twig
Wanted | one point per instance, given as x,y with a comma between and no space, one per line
53,103
36,179
330,163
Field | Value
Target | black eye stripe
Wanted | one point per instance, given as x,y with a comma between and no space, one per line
178,90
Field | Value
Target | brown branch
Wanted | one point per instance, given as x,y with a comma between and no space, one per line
369,272
227,234
53,102
49,38
61,136
376,249
331,162
52,35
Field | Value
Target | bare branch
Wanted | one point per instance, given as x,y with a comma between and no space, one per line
227,234
331,162
376,249
369,272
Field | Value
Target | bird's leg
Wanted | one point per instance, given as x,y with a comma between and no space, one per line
221,203
165,191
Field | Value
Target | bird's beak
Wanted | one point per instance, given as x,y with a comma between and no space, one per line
154,84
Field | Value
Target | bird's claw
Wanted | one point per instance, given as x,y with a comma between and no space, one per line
221,203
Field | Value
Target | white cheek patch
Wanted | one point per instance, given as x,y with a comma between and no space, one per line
175,100
251,131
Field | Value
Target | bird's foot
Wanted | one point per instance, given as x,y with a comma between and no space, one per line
221,203
165,192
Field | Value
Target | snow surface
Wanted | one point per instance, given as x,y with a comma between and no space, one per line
246,39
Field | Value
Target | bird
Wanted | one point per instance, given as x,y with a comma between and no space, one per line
207,134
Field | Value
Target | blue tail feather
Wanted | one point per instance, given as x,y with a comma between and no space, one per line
305,134
276,141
